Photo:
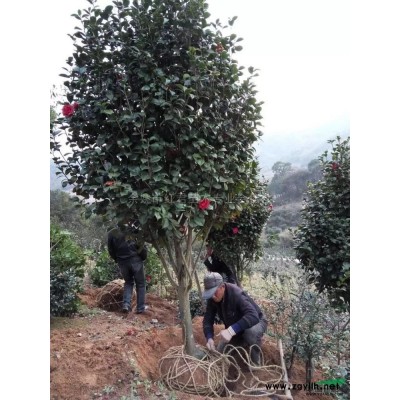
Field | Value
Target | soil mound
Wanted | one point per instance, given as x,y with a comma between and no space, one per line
111,295
107,355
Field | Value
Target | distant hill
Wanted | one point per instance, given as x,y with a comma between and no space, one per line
298,148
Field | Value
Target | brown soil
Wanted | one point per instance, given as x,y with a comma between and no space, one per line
106,355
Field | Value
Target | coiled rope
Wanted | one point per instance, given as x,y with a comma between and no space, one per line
212,375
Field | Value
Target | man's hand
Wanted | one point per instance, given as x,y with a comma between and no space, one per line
227,334
210,344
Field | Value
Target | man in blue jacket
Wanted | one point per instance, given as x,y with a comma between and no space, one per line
124,250
244,321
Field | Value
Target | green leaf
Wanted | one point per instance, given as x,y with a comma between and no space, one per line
232,20
155,159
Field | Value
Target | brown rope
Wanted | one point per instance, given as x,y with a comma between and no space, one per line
183,372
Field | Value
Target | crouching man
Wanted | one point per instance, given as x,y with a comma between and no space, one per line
244,321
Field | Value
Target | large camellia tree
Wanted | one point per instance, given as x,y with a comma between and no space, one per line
161,124
322,240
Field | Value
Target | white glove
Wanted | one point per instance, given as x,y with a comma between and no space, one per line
210,344
227,334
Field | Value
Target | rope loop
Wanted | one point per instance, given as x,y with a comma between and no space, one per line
212,375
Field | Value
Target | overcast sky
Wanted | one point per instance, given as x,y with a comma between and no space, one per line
300,47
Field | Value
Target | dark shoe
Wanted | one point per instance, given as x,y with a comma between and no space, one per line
126,309
142,310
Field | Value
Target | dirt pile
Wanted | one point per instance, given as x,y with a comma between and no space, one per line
111,295
105,355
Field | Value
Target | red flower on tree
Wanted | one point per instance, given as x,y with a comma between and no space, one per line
148,278
235,230
203,204
335,166
109,183
67,110
270,207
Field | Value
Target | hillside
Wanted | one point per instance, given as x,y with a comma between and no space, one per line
106,355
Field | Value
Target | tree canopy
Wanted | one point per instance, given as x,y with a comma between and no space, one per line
156,110
161,123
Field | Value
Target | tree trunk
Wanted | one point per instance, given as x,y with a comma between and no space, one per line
292,355
186,321
309,370
289,370
182,268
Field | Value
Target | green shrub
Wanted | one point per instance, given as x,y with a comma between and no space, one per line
155,274
286,239
196,307
64,287
65,253
322,240
67,261
105,270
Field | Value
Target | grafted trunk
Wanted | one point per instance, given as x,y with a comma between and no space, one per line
186,321
183,270
184,285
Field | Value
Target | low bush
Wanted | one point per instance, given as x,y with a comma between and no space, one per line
64,287
67,269
105,270
65,253
196,307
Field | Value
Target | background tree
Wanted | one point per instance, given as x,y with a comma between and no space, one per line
161,125
314,169
237,242
290,184
90,233
280,170
293,185
322,241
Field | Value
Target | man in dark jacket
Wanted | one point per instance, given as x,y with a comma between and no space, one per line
244,321
215,264
125,251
